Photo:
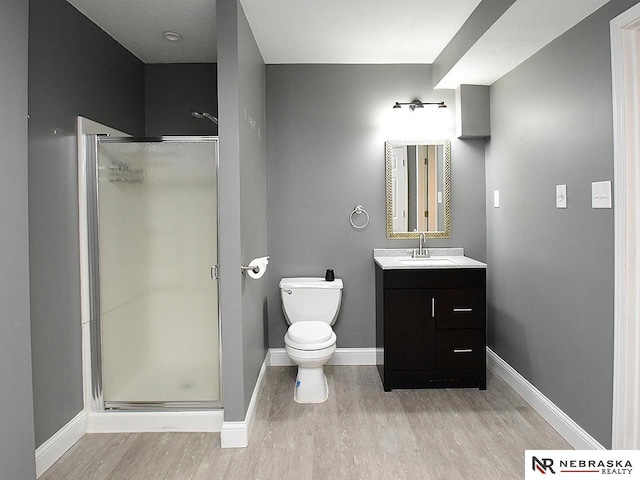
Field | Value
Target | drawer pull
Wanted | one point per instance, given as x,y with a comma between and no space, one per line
463,309
433,307
463,350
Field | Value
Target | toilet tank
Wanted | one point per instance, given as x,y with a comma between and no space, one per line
310,299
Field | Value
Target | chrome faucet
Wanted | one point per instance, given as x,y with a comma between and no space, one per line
422,250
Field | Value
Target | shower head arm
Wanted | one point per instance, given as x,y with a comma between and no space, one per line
205,115
211,117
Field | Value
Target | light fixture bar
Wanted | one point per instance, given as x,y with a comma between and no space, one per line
418,104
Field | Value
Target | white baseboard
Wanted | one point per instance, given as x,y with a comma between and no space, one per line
236,434
123,422
560,421
50,451
342,356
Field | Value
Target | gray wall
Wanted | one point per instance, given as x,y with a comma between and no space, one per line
172,91
325,154
16,415
550,278
253,200
242,205
75,68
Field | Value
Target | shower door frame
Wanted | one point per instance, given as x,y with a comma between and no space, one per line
92,197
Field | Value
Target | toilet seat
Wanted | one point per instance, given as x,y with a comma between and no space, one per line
310,336
310,332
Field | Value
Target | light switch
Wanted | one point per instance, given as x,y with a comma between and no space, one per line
439,197
601,194
561,196
496,199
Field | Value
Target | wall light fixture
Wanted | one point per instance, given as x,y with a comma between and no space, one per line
418,104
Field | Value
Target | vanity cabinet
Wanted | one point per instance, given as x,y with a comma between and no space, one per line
431,327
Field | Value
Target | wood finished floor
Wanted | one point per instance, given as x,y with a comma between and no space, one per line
361,432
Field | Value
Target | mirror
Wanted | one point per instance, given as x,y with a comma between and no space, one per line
418,186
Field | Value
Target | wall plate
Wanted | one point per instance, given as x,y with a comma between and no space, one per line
561,196
601,194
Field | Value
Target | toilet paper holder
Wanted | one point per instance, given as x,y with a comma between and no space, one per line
244,268
253,268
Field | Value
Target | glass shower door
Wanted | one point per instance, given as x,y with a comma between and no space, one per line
157,243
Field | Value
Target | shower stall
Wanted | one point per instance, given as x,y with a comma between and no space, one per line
152,237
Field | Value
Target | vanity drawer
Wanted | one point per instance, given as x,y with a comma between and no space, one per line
435,278
460,348
461,308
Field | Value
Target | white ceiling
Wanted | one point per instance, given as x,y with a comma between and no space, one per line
339,31
355,31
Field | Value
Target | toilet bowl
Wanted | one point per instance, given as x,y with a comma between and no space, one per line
310,306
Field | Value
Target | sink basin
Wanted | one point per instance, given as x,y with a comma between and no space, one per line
426,261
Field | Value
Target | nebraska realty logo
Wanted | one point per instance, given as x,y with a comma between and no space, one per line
582,464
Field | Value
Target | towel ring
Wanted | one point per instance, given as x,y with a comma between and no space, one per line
359,210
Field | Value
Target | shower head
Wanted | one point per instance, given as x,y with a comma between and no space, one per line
205,115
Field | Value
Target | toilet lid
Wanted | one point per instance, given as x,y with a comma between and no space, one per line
310,332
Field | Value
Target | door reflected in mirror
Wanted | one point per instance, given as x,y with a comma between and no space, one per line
418,178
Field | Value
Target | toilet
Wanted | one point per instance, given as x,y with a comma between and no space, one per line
310,306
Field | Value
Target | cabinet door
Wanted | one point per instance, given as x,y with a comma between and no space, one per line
461,308
409,330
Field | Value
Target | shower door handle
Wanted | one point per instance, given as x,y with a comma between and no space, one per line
215,272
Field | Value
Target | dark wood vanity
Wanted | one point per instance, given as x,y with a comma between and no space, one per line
431,327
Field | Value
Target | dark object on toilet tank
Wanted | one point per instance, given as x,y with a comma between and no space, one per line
329,276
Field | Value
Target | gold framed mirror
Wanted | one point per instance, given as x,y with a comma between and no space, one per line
418,188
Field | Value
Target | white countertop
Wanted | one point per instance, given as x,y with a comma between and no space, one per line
439,258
